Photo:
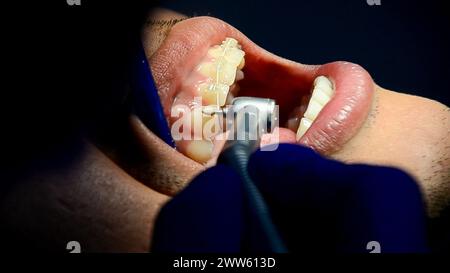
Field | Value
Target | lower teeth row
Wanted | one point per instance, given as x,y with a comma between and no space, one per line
322,93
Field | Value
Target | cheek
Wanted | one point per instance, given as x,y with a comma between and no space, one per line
410,133
154,34
158,166
401,132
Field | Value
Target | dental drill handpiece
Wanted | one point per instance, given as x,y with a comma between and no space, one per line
248,118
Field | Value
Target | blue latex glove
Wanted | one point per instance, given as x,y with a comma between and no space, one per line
318,205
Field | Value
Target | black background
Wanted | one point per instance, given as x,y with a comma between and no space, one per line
403,44
53,52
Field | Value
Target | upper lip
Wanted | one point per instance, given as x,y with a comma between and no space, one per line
267,75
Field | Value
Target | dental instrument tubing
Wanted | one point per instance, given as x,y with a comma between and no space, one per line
235,154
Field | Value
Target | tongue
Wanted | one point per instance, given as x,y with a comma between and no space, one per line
280,135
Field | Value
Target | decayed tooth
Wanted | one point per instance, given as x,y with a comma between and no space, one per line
313,110
303,127
214,93
199,150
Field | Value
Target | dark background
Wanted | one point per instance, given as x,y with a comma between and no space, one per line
403,44
60,62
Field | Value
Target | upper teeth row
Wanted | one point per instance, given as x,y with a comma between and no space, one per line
227,58
322,92
219,67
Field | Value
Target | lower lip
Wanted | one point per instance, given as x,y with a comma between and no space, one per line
288,82
344,115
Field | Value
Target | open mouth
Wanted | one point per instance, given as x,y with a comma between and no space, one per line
320,106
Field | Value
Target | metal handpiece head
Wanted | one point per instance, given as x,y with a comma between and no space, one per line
263,110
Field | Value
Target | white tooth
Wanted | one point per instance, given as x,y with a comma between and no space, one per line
216,52
214,93
324,84
241,64
200,150
230,42
234,56
199,117
211,127
313,110
327,90
208,69
303,127
211,109
320,96
228,52
223,64
323,81
225,73
220,72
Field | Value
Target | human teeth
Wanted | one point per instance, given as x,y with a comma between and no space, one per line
321,95
214,93
324,84
214,80
241,64
303,127
198,120
200,150
211,127
313,110
220,72
234,56
216,52
230,42
211,110
223,68
225,73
